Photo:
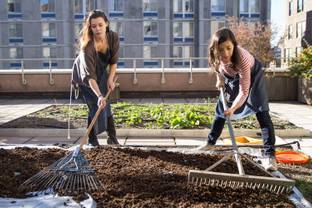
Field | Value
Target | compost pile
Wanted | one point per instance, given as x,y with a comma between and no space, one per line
138,178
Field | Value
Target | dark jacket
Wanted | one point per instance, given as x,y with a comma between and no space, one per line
84,67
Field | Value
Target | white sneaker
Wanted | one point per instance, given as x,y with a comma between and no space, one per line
269,163
204,147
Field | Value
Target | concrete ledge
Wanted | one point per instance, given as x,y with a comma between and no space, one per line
191,133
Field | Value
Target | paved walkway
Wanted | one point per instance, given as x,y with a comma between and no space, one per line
296,113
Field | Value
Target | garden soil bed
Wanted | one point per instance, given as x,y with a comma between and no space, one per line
138,178
56,116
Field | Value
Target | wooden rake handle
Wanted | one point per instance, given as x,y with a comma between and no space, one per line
85,137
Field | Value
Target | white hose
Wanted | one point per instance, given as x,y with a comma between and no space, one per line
69,108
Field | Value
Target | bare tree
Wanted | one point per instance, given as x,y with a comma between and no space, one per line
253,36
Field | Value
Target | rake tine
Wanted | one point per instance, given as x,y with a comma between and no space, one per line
69,173
279,189
72,181
35,177
94,182
61,183
75,180
84,183
79,186
45,184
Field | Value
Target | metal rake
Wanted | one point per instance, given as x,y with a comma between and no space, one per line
70,174
240,180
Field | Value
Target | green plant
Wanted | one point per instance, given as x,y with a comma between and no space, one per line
152,116
301,66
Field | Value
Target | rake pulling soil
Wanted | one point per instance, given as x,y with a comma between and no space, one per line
241,180
70,174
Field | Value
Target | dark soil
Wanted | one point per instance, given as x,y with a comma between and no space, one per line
137,178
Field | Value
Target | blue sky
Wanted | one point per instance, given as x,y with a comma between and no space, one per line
278,16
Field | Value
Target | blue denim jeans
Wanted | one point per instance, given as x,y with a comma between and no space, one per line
267,131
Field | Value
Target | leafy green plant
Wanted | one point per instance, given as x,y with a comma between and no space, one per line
301,66
153,116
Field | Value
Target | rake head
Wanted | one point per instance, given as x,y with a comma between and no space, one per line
70,174
236,181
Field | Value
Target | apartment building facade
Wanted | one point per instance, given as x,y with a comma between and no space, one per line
44,33
296,26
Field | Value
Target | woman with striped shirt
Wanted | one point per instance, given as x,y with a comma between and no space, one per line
242,78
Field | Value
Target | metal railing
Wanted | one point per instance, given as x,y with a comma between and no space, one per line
165,63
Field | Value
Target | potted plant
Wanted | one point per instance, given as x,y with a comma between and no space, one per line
301,67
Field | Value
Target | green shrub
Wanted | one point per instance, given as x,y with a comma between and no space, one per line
301,66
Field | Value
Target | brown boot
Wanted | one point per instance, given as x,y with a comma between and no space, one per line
94,142
111,131
112,140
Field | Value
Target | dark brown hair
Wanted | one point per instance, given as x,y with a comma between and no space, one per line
218,38
86,31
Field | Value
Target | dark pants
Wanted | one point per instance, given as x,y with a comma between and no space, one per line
267,131
106,122
111,131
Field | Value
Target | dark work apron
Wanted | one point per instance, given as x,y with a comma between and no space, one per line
91,99
257,100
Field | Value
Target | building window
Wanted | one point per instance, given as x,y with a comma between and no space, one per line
177,29
284,55
150,28
254,6
243,6
249,7
300,5
14,6
287,55
116,5
78,7
116,8
15,30
150,5
218,5
48,52
183,6
77,29
216,25
117,27
188,6
16,53
298,51
183,29
300,28
148,53
91,5
48,29
289,31
47,5
177,5
290,7
182,52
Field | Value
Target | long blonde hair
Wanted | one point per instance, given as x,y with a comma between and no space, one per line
86,31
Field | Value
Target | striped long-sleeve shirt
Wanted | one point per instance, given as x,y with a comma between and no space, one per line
246,62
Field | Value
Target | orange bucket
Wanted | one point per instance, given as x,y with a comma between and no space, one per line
243,140
292,157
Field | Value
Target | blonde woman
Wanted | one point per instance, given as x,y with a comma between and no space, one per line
99,48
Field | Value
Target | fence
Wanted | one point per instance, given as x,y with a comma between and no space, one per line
135,81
